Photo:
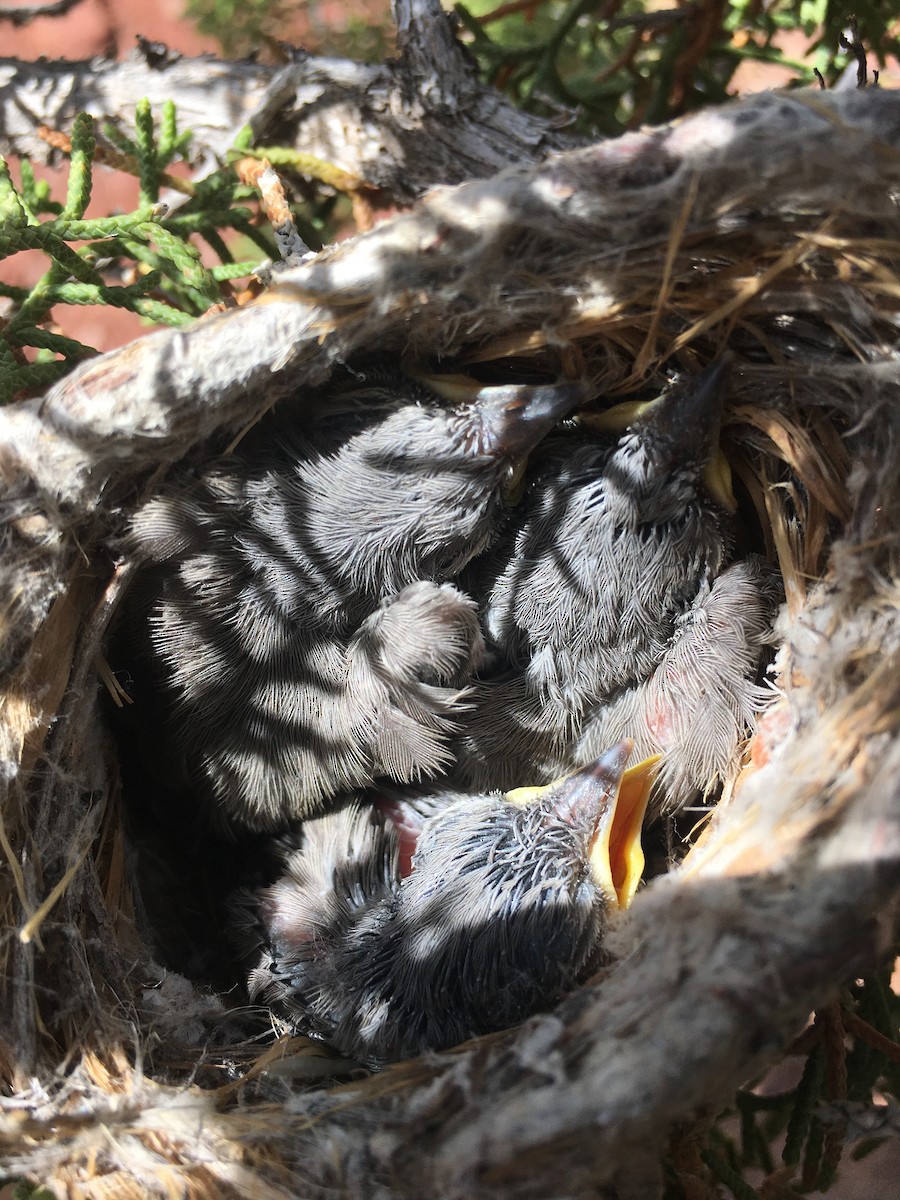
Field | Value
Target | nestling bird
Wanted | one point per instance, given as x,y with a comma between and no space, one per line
604,584
341,502
608,549
296,609
502,913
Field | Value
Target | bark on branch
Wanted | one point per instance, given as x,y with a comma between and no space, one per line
385,124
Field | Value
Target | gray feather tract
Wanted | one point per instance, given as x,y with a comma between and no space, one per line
609,612
701,699
296,610
607,551
499,917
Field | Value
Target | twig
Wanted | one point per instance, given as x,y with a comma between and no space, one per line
113,158
661,19
260,174
831,1020
506,10
855,47
862,1029
401,147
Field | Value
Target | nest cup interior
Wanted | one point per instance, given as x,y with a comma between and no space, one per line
166,874
181,868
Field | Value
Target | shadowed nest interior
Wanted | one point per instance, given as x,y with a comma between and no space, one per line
769,228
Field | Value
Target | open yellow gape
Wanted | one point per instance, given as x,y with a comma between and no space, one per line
620,798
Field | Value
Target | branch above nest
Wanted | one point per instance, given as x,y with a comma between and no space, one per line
383,124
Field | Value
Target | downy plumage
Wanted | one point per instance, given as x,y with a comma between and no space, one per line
301,634
502,911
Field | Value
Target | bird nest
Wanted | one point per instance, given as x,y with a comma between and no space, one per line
769,228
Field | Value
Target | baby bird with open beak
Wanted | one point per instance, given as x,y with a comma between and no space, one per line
502,912
297,611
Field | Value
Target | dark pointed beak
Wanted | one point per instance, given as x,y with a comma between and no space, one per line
514,417
681,427
699,406
685,427
517,416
